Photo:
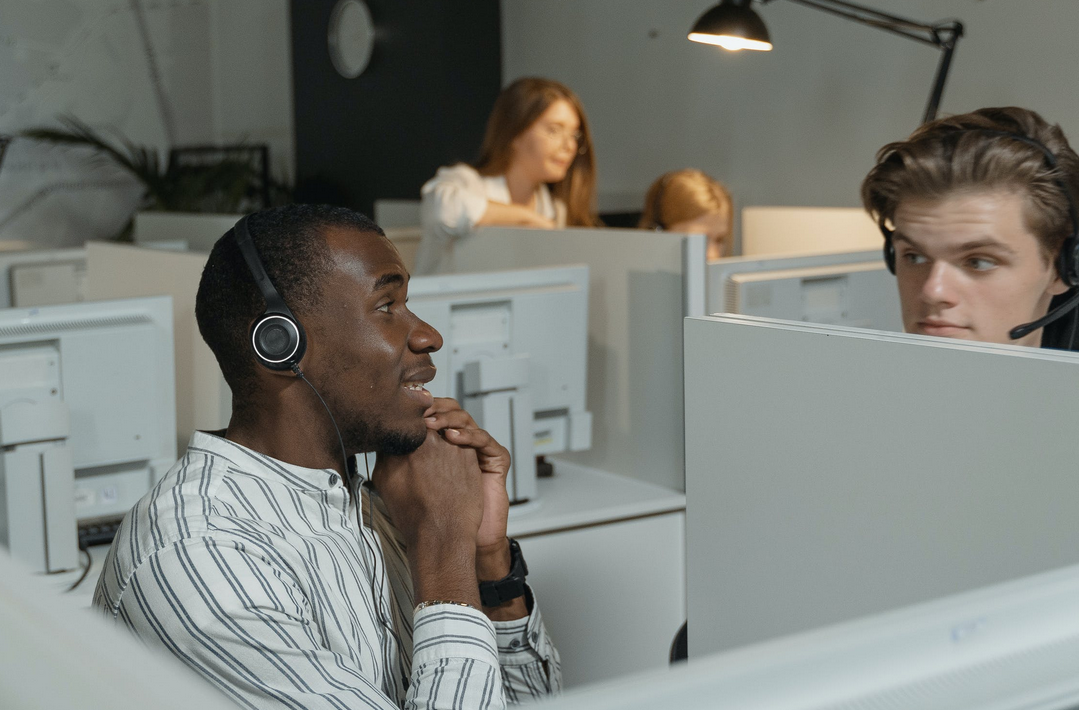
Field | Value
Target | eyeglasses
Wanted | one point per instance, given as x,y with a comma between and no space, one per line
560,134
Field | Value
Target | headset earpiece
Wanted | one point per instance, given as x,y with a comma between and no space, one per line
1068,261
889,249
279,342
277,338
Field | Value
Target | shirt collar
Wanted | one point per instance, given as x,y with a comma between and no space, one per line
500,192
251,461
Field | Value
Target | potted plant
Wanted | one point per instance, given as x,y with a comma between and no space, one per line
202,179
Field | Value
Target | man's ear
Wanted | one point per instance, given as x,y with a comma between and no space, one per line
1057,286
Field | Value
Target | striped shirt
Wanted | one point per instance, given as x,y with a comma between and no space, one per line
257,575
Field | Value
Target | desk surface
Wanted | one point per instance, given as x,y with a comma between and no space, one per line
579,496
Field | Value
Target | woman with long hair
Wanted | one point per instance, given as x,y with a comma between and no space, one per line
536,168
693,202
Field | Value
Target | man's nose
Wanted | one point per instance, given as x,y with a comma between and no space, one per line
424,338
940,287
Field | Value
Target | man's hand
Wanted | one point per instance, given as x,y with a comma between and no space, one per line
492,545
458,427
436,499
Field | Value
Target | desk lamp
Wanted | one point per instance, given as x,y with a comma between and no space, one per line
733,25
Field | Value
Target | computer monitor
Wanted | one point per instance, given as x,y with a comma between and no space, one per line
87,419
774,231
42,277
514,356
834,472
1011,646
846,288
642,283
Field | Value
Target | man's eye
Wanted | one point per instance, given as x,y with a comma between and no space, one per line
914,258
980,263
385,307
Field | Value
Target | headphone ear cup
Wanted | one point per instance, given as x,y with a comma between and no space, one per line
279,342
889,253
1068,262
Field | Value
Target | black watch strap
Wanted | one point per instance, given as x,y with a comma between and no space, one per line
509,587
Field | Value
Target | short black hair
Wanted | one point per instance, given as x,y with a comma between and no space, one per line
292,246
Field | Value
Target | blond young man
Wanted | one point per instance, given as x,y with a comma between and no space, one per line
979,218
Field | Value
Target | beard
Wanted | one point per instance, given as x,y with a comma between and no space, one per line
360,434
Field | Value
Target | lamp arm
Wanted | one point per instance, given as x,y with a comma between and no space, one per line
942,74
862,13
943,35
917,31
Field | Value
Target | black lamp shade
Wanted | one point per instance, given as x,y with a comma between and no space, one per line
733,25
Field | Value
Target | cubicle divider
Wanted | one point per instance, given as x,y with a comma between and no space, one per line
833,472
203,400
777,231
642,283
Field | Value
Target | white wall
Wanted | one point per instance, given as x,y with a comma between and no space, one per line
795,126
224,72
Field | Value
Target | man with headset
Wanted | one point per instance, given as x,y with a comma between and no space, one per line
979,219
266,562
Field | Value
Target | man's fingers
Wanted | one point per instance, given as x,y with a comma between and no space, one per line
477,439
442,404
454,419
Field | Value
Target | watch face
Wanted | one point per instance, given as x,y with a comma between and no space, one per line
351,37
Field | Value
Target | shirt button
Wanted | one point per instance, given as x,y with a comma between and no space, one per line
535,637
333,480
515,643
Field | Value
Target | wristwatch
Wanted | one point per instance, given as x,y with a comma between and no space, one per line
509,587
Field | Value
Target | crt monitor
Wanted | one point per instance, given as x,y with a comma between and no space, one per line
847,288
87,419
1010,646
514,356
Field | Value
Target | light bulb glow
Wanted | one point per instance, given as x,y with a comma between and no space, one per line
730,43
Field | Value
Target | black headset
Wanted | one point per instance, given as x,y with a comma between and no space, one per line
277,337
1067,261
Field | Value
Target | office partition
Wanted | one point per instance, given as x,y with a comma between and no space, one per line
836,472
203,400
1010,646
807,230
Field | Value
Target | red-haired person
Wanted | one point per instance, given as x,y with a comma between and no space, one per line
536,168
